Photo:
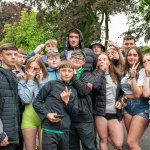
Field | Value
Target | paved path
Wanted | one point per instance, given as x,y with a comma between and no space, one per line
145,142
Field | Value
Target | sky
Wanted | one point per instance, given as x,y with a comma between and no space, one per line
117,26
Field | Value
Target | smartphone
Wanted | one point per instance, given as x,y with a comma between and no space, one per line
37,76
59,116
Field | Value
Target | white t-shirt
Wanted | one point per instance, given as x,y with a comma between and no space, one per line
111,89
126,82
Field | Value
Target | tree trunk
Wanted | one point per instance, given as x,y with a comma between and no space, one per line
101,22
106,28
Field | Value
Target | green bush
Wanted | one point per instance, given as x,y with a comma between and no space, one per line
145,49
27,34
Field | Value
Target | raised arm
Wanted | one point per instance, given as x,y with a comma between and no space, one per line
137,84
121,57
70,100
37,50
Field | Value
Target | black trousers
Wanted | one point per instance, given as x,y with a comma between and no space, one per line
14,146
53,141
20,145
84,133
9,147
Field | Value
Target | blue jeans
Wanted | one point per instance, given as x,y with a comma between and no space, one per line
138,107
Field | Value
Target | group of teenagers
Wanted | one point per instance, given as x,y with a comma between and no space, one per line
70,98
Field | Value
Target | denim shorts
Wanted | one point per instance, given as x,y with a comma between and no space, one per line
139,107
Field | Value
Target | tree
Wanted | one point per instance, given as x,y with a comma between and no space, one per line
145,49
27,33
87,15
9,13
139,19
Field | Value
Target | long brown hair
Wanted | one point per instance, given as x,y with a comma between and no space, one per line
127,65
40,62
119,68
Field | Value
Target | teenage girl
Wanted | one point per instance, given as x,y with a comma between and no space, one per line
35,78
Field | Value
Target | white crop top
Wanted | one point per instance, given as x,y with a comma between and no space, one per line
126,82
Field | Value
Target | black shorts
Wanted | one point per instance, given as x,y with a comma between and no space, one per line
109,116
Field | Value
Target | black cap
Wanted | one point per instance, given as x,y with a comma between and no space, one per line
97,42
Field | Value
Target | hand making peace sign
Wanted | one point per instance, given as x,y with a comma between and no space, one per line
30,74
65,95
133,70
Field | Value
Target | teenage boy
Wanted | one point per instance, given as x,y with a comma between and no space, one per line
82,124
53,60
128,42
50,44
74,41
9,101
19,68
54,112
97,47
21,60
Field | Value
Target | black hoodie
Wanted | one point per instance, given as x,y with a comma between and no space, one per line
91,58
48,100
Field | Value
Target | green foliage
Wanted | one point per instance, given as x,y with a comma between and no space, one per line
9,13
86,15
139,19
144,8
145,49
27,34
